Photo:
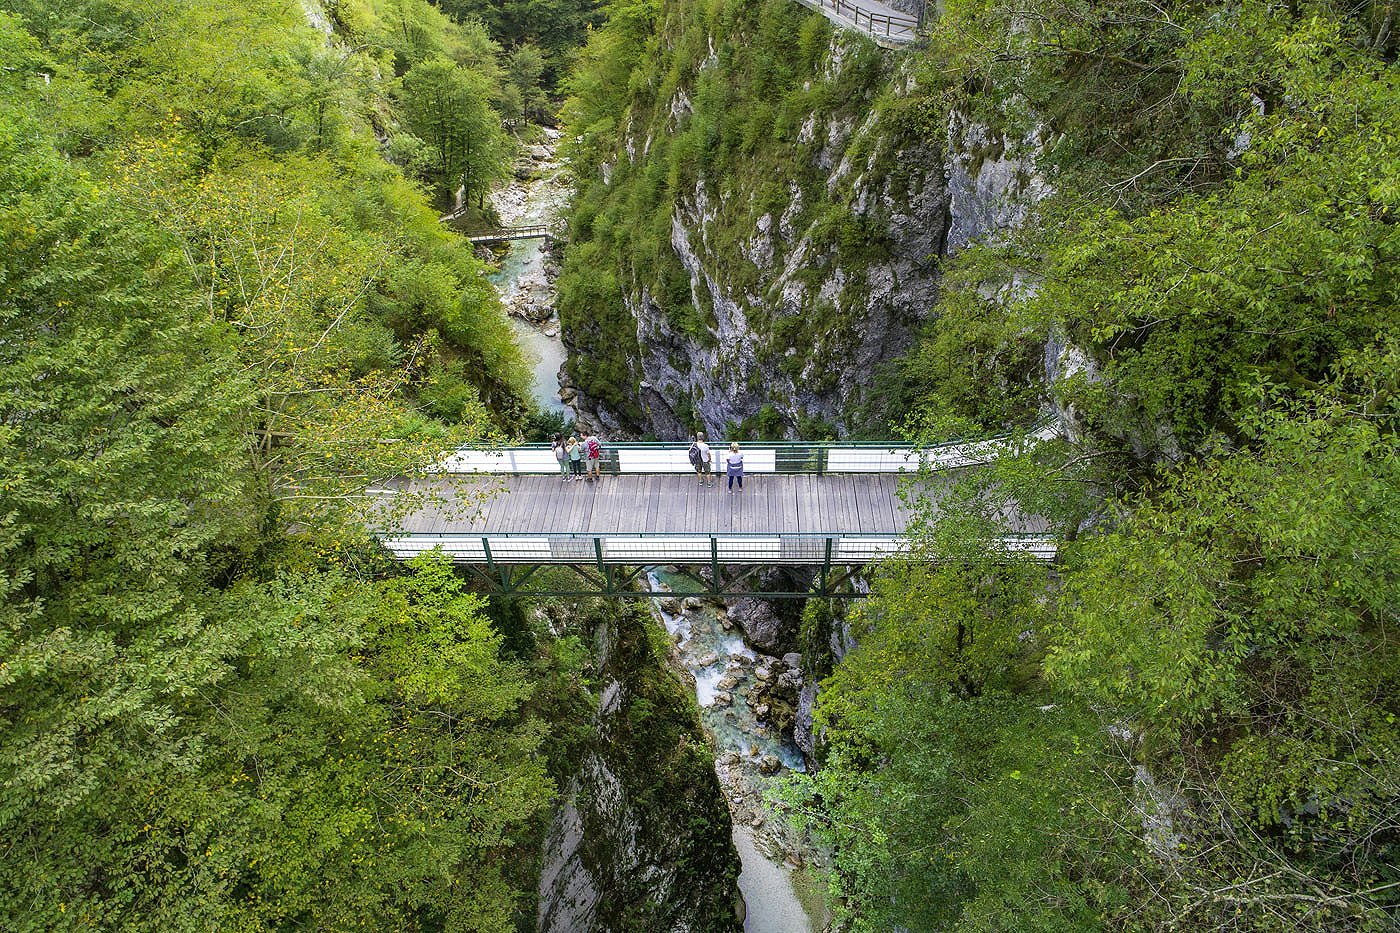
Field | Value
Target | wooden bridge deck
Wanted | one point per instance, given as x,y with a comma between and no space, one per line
631,519
675,505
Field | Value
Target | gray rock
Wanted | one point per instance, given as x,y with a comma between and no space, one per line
770,765
762,626
793,660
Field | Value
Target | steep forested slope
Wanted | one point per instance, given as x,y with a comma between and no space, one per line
218,709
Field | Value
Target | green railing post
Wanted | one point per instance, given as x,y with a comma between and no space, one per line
826,566
714,565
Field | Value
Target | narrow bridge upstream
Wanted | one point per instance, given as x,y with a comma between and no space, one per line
834,508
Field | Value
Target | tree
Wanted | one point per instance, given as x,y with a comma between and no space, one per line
447,106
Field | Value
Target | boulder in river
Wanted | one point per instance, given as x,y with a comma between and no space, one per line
770,765
763,627
793,660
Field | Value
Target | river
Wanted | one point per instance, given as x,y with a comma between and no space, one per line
524,279
750,755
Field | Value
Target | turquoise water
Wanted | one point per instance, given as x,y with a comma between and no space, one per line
721,663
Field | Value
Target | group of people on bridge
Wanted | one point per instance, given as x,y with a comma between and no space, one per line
581,460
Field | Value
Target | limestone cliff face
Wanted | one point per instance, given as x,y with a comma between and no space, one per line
797,266
641,839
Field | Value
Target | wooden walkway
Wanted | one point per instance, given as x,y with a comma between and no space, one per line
890,28
527,232
672,505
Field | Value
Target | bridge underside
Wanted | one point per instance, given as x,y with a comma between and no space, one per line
586,580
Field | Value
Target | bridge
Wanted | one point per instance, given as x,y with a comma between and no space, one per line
890,28
526,232
506,516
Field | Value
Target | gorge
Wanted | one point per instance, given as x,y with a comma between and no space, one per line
233,316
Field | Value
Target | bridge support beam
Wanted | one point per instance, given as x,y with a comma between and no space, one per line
596,579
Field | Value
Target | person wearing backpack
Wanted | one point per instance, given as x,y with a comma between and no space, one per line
700,459
561,453
594,449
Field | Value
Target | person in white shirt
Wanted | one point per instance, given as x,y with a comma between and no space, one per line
700,458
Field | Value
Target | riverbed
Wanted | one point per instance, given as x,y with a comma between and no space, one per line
538,195
750,755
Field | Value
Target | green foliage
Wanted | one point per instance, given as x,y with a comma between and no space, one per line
1218,258
219,707
446,105
555,28
955,785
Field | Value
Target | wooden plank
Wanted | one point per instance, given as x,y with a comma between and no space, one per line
519,503
876,516
625,507
850,512
902,516
793,507
582,510
859,494
810,509
558,512
840,503
650,505
867,503
889,487
529,515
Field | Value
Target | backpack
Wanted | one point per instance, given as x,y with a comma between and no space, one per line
695,455
559,452
595,449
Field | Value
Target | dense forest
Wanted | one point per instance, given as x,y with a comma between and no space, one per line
229,305
224,284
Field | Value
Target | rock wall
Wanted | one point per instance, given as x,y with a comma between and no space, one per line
642,837
791,289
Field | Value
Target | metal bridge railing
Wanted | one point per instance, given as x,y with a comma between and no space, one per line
519,548
524,232
879,25
768,457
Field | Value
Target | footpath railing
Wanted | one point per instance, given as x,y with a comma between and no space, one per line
893,27
822,548
526,232
766,457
